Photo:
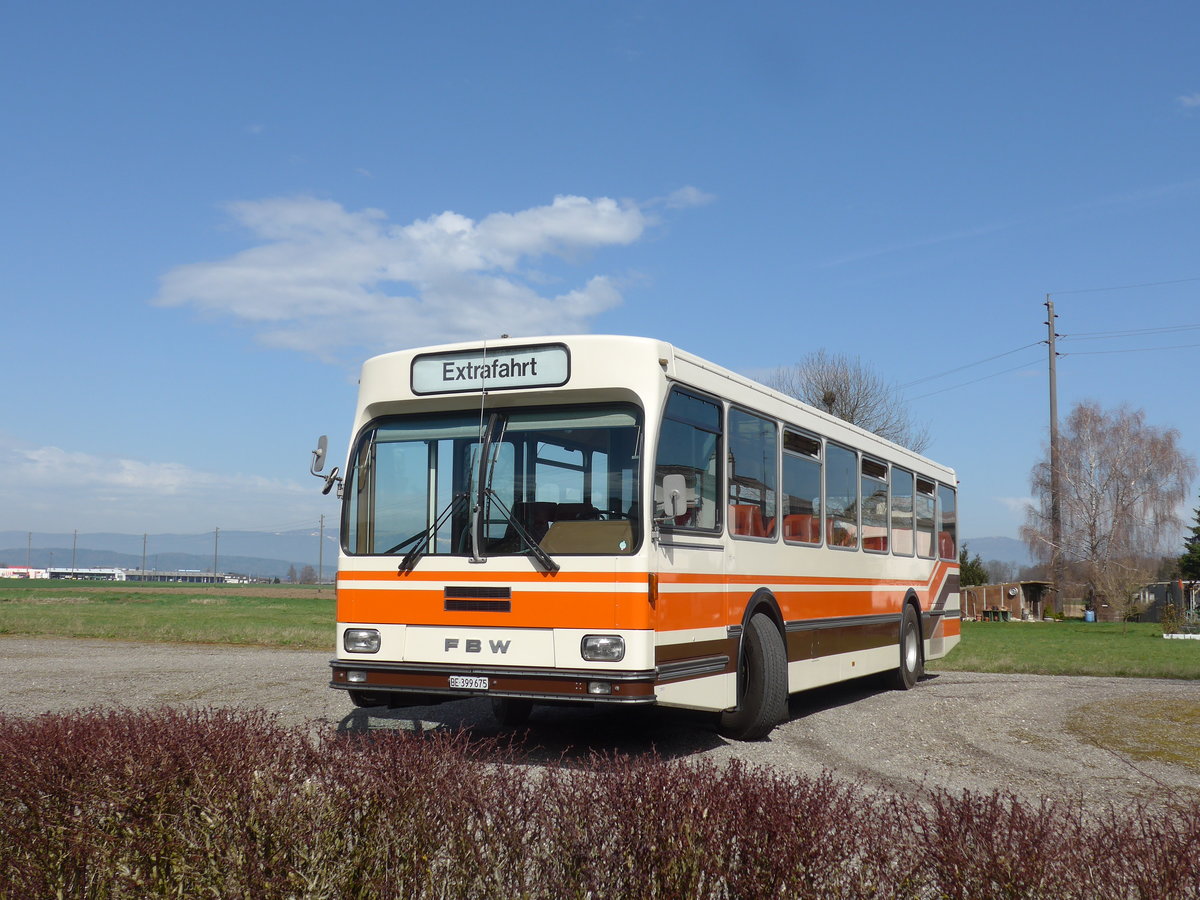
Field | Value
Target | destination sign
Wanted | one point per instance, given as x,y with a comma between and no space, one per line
510,368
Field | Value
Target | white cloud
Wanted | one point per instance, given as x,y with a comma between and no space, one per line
52,486
1016,504
1190,101
324,277
687,197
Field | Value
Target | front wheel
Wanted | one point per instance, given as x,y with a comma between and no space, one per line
511,712
367,699
912,660
762,683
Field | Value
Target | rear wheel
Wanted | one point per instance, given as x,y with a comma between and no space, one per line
762,683
912,661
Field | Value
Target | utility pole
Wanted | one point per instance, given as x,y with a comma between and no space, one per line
144,536
216,540
74,541
1056,560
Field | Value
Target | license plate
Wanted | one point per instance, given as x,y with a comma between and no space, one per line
468,683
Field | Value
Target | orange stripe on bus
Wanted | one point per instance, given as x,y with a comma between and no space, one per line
716,599
491,575
530,609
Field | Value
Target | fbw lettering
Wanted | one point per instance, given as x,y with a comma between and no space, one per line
474,645
497,368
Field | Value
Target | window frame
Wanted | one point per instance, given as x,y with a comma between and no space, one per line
912,515
719,475
932,495
819,459
863,461
939,521
773,536
856,480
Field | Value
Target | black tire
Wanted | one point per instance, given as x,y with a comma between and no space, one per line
367,699
912,651
511,712
762,683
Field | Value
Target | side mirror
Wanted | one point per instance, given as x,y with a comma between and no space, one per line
318,462
674,496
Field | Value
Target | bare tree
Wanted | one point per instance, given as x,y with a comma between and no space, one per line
848,388
1121,486
1119,583
1000,571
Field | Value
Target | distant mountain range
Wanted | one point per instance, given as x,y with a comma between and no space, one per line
1001,549
255,553
265,554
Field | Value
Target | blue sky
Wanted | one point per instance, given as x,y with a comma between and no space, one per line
211,213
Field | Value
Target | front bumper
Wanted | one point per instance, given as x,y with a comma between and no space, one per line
635,687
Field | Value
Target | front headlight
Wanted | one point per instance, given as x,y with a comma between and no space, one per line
603,648
361,640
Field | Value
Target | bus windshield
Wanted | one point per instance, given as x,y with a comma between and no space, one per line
516,481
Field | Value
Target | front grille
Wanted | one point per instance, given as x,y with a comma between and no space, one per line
452,605
473,592
474,598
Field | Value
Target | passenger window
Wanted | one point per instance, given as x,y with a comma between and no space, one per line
690,445
753,451
841,497
874,506
947,523
801,488
923,510
902,512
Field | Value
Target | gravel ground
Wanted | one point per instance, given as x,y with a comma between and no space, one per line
959,731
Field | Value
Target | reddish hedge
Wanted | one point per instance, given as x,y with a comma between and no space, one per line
225,803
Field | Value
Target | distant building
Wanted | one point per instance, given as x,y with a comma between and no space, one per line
92,574
23,572
1018,599
1184,597
70,573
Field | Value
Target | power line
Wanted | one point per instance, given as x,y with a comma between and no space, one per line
1130,350
1133,332
1126,287
969,365
977,380
1081,336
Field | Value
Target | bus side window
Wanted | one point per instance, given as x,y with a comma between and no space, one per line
689,444
902,512
874,505
924,513
801,488
947,523
841,497
753,452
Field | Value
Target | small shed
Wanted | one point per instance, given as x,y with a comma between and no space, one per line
1019,599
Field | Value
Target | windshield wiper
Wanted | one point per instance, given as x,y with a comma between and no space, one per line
425,535
535,548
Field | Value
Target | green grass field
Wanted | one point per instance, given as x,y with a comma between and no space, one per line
1072,648
302,616
285,615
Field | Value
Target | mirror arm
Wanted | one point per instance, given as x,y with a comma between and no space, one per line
331,479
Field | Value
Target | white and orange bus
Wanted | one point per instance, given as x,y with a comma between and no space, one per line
613,520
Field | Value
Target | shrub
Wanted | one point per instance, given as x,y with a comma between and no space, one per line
1170,619
223,803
